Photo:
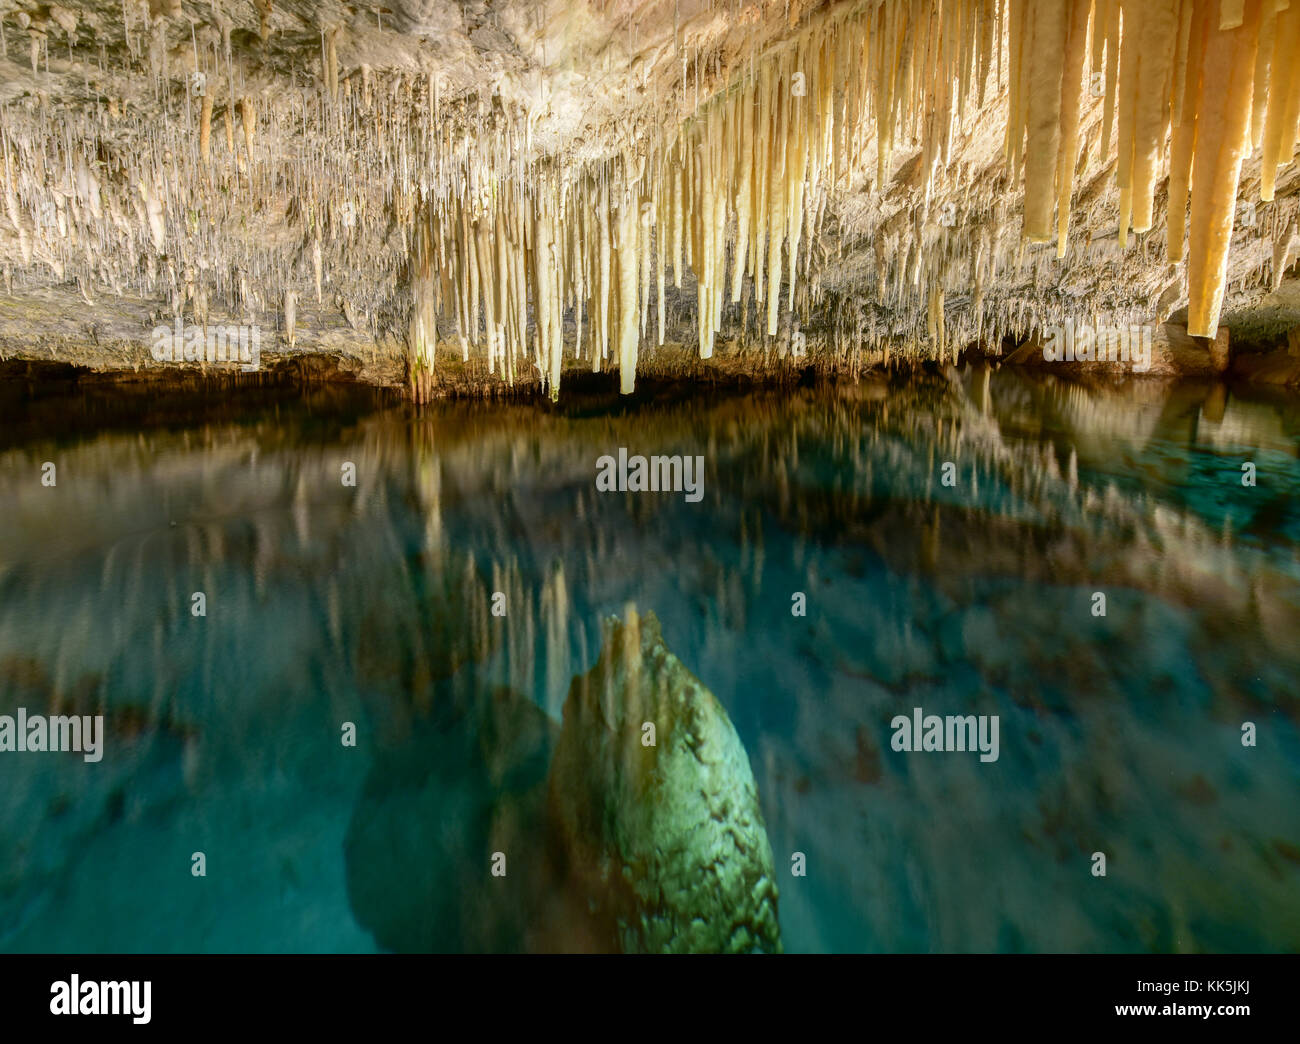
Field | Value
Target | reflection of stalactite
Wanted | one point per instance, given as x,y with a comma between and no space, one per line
555,611
463,782
519,623
427,479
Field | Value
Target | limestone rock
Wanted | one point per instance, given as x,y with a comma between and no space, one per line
667,841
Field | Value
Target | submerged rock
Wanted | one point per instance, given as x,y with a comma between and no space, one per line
467,782
663,833
619,847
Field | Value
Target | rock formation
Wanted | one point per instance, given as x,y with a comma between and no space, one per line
518,187
621,847
668,839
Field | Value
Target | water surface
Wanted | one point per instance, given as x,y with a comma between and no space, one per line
329,603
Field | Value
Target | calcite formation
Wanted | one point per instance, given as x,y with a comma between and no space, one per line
530,184
660,827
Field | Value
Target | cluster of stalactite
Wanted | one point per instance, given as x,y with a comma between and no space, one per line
236,199
1191,87
373,194
559,246
1101,94
1185,89
726,202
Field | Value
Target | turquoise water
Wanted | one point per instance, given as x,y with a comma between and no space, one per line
370,604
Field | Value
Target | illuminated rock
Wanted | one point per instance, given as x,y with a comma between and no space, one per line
667,840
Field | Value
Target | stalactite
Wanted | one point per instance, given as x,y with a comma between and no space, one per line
248,117
317,264
1151,119
627,331
515,247
1223,120
1070,105
1279,141
205,129
291,318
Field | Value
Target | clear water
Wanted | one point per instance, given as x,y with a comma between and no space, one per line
329,603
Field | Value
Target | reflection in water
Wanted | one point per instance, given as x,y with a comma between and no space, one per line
466,782
374,604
